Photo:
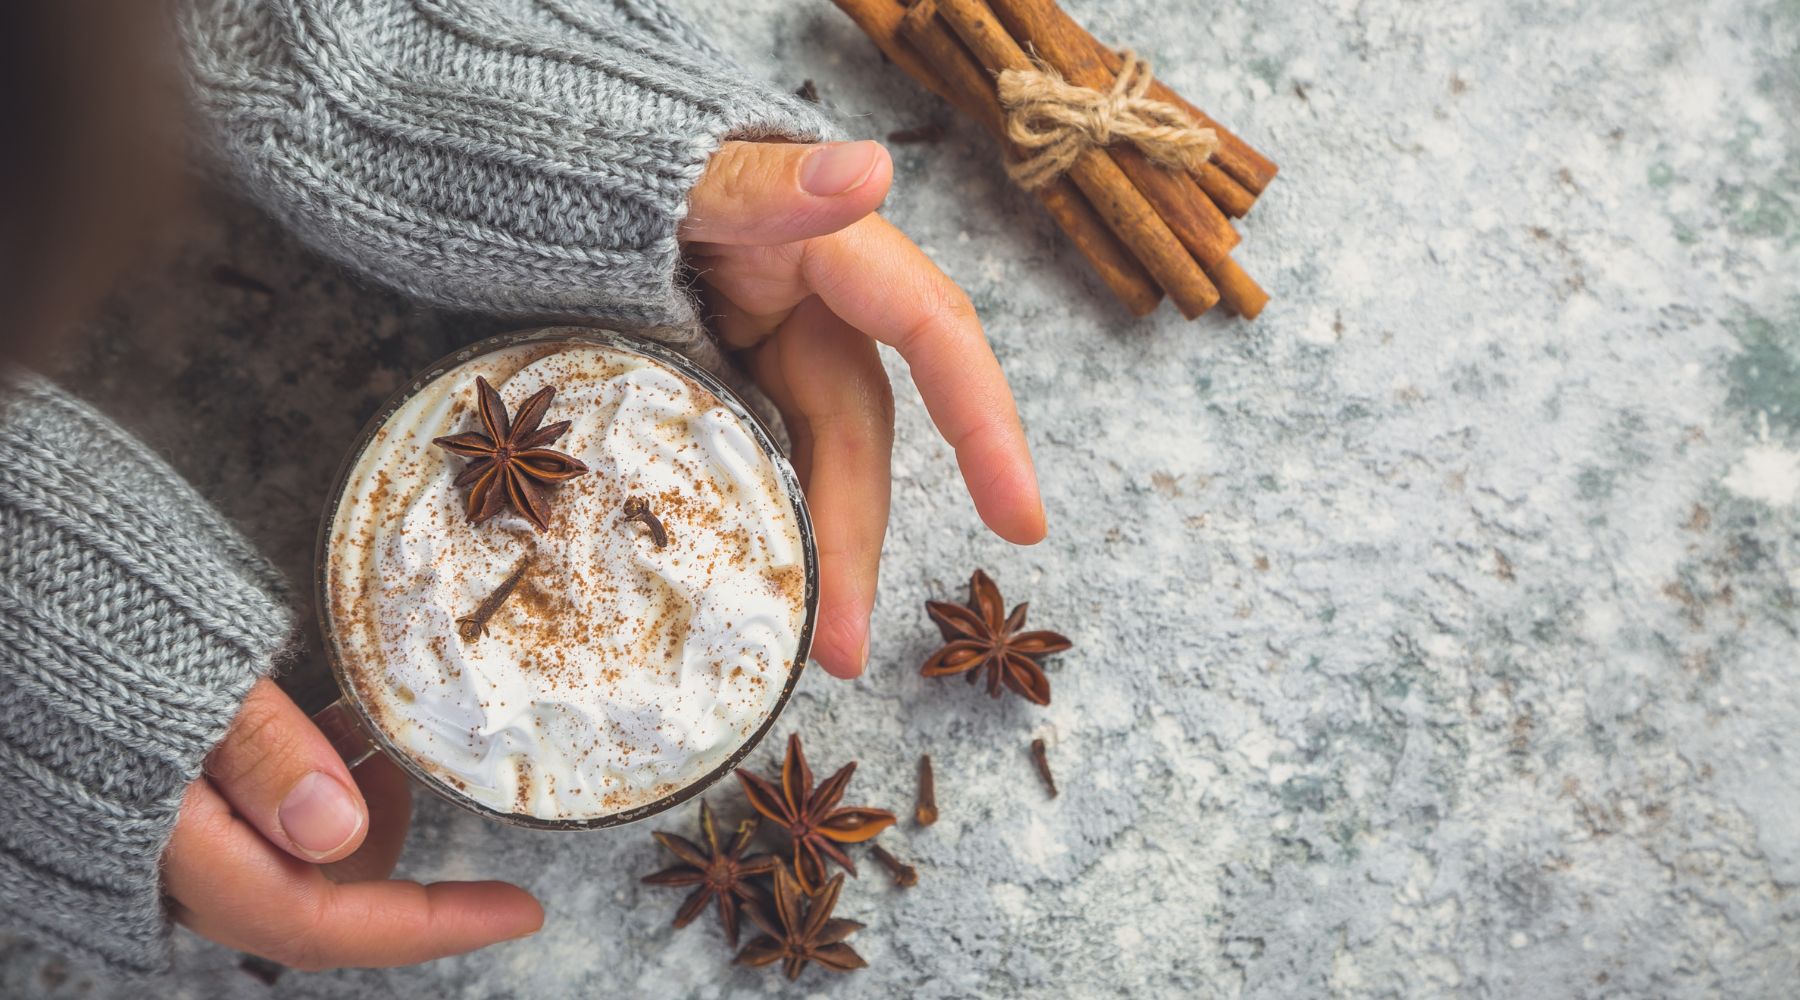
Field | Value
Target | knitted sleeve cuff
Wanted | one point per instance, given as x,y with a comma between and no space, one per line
530,158
133,620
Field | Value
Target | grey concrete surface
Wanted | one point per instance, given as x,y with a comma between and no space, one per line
1436,633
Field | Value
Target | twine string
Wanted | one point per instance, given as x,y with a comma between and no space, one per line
1055,121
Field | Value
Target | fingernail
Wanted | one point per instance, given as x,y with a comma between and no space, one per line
837,167
862,658
319,815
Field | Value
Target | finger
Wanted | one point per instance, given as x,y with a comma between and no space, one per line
766,369
879,282
764,284
837,389
737,327
232,886
389,794
765,193
280,772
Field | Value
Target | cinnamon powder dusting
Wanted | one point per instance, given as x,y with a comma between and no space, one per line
614,655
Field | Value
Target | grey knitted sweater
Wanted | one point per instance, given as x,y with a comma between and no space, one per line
530,158
133,619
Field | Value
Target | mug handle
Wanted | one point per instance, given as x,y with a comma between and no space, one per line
343,726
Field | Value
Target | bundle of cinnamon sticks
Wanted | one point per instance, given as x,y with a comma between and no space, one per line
1145,228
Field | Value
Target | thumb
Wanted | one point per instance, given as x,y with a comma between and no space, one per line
281,774
767,193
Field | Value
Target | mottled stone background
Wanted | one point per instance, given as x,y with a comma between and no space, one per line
1436,633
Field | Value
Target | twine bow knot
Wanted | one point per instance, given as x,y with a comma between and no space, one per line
1056,121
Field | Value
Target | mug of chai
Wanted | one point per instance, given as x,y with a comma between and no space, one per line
566,580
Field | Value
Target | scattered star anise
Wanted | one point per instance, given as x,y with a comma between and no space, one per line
722,875
510,464
811,817
979,636
795,935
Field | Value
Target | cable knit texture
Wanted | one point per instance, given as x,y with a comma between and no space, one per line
525,157
133,619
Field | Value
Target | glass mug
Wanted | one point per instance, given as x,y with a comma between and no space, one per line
348,722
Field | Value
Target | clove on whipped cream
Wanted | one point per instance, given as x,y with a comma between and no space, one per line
615,670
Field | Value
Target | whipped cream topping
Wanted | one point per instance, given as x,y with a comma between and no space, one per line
617,672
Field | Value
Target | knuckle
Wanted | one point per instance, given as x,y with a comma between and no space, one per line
736,173
946,312
871,422
726,178
956,306
301,943
257,746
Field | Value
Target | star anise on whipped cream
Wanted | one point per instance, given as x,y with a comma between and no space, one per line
982,636
510,465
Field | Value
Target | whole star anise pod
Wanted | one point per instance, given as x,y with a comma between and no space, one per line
510,464
722,875
811,817
979,636
796,933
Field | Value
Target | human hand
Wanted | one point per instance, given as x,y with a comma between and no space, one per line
280,853
802,278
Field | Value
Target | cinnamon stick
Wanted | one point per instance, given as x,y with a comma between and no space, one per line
880,20
1235,156
1176,195
971,90
1238,158
954,76
1124,207
1234,199
1191,215
1247,298
1043,27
